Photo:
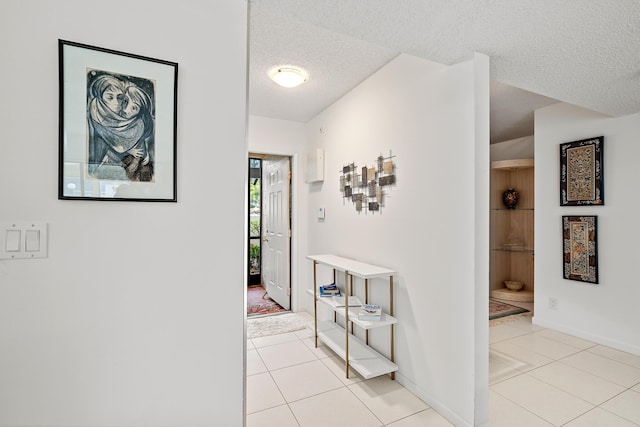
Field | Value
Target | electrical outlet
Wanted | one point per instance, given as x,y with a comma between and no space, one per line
553,303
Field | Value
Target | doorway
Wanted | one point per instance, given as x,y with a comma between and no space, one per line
269,235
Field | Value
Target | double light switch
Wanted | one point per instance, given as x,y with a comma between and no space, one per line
23,240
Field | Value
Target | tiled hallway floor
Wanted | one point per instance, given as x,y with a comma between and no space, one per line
538,377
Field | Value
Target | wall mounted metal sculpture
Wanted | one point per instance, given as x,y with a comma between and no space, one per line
367,187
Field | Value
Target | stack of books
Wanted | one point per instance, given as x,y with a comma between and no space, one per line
370,312
331,290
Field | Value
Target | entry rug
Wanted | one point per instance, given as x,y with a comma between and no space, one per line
501,309
277,324
259,303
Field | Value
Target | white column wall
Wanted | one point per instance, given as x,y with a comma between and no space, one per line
432,228
606,313
482,238
136,317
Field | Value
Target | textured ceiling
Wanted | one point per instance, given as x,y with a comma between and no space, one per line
581,52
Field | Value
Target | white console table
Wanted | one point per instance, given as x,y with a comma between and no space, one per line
356,352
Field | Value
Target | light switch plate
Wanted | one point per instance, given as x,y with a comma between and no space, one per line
33,240
320,213
12,240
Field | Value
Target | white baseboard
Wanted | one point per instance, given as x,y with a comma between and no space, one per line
598,339
429,400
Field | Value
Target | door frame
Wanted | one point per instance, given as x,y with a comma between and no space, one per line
293,215
250,280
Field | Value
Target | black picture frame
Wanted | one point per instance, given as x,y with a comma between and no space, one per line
580,248
117,125
582,172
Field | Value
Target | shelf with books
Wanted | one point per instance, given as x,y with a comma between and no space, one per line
337,304
370,312
343,338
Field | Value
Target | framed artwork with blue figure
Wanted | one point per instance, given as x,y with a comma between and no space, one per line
118,119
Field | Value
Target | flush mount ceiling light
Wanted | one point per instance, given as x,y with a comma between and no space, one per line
288,76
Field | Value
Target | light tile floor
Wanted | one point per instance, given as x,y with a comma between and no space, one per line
538,377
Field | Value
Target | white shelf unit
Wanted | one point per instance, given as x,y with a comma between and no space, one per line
385,319
356,352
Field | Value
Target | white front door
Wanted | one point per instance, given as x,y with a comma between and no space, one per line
276,231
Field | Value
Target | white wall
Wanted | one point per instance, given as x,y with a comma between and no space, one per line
482,237
519,148
431,226
606,313
288,138
136,317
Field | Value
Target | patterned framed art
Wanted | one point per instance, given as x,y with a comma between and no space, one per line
117,134
581,172
580,248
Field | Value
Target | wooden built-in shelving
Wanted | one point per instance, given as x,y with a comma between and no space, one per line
512,233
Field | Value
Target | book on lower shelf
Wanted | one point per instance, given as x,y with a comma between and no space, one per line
330,290
370,312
